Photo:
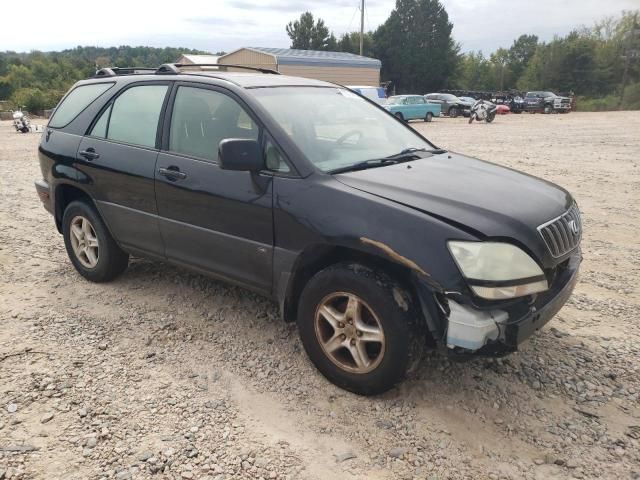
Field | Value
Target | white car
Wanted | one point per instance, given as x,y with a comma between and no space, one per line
375,94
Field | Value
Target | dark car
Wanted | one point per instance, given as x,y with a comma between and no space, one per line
546,102
376,242
450,104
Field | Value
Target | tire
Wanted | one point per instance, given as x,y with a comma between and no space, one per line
428,117
399,116
383,303
548,109
491,117
104,263
453,112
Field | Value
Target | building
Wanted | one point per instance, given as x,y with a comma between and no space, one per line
191,59
338,67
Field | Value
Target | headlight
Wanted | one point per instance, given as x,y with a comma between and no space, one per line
498,271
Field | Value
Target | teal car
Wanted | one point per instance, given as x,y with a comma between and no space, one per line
412,107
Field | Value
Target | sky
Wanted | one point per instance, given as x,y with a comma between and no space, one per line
214,25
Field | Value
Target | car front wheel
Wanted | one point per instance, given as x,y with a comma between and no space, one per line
91,249
453,112
359,328
428,117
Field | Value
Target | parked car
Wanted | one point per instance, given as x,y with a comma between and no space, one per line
412,107
502,109
546,102
375,241
450,104
375,94
469,100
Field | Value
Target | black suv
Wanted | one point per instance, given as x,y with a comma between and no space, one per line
373,240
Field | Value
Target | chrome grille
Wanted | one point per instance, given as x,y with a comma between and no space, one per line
562,234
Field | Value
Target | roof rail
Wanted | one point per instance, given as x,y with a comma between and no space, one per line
175,67
170,68
115,71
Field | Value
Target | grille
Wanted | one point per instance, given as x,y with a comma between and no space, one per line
562,234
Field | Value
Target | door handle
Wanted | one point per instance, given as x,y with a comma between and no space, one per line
172,173
90,154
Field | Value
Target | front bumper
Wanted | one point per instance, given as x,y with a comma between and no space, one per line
500,331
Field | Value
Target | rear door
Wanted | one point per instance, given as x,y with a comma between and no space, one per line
117,161
421,107
218,221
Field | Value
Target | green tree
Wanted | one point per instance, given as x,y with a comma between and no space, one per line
309,34
520,53
500,60
350,42
416,48
475,72
39,79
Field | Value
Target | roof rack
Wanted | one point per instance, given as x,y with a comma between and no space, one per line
114,71
175,67
170,68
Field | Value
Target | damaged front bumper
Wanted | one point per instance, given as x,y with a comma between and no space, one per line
500,330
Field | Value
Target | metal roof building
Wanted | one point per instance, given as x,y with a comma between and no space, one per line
339,67
191,59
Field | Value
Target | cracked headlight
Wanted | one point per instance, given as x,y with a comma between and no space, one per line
496,270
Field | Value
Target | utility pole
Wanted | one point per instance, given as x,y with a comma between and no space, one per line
361,25
629,54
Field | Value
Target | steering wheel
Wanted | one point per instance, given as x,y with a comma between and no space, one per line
349,134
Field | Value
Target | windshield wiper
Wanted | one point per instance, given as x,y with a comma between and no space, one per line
376,162
404,156
409,153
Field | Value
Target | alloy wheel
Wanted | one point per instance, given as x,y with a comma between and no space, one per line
349,332
84,241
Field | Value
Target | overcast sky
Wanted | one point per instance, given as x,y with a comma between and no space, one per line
214,25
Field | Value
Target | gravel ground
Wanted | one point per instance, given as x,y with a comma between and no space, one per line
167,374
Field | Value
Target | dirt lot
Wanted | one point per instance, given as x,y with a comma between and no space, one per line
167,374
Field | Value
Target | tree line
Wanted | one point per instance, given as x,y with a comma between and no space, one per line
37,80
419,55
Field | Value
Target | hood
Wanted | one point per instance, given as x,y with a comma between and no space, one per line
477,196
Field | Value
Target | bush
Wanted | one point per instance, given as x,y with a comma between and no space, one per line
631,101
34,99
585,104
632,97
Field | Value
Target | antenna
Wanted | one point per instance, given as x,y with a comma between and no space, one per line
361,25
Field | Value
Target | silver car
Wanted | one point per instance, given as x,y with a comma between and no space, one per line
450,104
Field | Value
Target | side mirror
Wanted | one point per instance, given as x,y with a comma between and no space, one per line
240,154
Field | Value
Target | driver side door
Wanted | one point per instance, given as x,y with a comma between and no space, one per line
218,221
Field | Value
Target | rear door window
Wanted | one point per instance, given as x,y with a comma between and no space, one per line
100,127
135,115
76,101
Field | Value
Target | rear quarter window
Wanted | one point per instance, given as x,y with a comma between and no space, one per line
76,101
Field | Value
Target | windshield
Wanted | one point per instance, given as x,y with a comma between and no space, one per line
334,127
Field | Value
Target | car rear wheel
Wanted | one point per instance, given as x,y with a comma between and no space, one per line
453,112
399,116
359,328
428,117
91,249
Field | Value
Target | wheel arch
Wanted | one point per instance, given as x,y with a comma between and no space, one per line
64,194
318,257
